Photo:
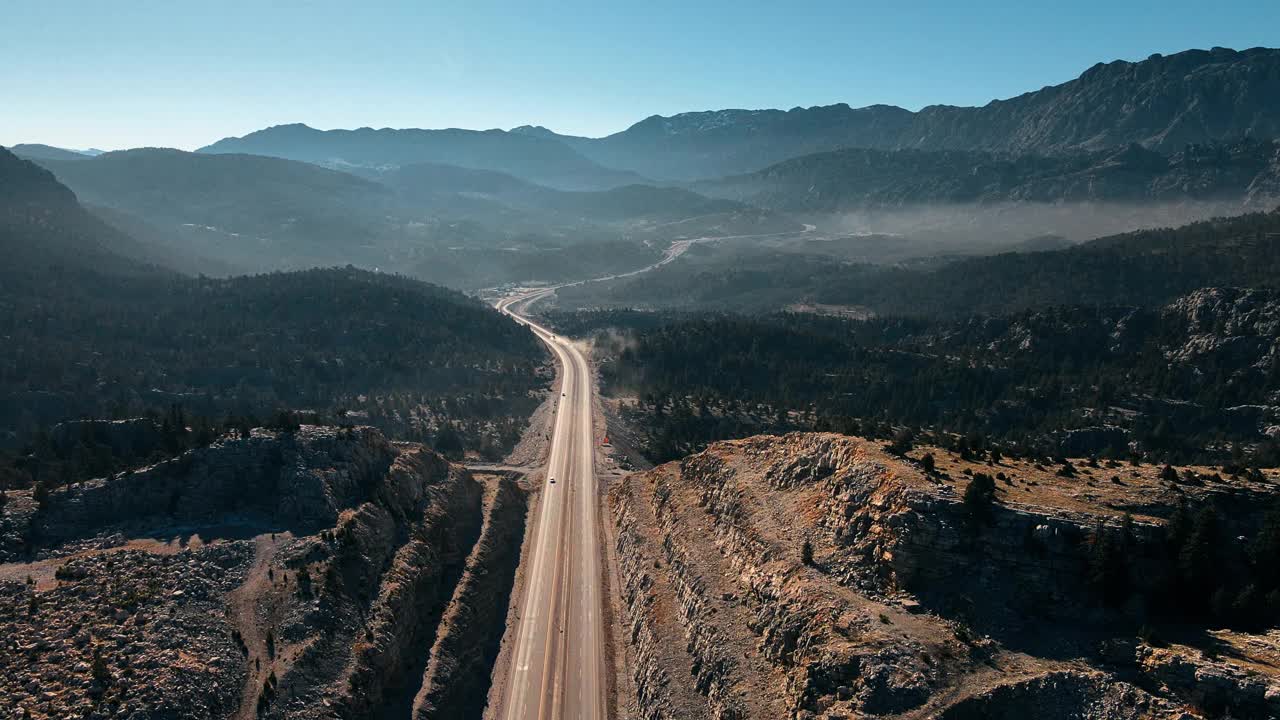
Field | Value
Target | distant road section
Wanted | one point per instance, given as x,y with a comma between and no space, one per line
558,668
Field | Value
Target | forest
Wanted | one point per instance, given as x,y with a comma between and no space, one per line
1073,379
343,344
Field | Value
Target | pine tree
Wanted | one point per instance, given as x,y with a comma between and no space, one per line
1109,573
449,442
1198,561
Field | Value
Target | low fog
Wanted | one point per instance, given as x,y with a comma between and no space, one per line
891,235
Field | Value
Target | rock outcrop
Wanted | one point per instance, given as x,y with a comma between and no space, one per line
136,437
309,574
817,576
457,677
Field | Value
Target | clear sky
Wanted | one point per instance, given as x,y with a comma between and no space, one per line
183,73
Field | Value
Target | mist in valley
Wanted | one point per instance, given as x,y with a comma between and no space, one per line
924,232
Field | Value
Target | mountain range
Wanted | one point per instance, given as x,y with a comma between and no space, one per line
539,160
839,180
222,214
478,208
1190,125
1163,103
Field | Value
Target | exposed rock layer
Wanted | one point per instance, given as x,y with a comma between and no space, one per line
903,610
314,574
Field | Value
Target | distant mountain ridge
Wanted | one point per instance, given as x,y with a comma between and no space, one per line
536,159
853,178
222,214
238,209
1162,103
429,183
37,151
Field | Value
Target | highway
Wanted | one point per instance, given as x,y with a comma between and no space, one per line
558,668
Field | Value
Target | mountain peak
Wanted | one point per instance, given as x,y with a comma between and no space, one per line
535,131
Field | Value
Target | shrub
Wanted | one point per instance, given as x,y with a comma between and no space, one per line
927,463
40,493
978,498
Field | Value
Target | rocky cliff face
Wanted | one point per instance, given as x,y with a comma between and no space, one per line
300,575
898,608
456,679
1228,327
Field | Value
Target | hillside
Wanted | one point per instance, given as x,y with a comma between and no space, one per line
818,576
534,159
43,226
467,228
1194,379
1163,103
1142,268
91,334
465,191
245,210
842,180
388,348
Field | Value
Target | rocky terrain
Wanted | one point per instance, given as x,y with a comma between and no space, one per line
819,576
322,573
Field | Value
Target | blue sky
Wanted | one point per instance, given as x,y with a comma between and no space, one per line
80,73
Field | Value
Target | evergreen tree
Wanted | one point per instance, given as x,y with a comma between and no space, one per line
1198,561
449,442
979,497
1109,562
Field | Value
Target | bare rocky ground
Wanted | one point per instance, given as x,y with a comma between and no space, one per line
902,613
326,573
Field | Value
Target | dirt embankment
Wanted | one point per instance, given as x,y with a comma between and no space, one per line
817,576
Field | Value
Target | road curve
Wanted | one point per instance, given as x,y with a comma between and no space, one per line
558,668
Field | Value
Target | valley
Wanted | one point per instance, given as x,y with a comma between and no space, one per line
557,665
819,414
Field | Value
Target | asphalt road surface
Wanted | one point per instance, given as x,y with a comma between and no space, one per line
558,657
558,669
